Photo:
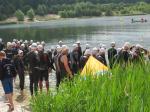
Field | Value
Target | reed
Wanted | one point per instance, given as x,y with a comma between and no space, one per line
120,90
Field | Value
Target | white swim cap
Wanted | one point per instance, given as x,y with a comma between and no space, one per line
127,45
60,42
43,43
1,40
87,46
78,42
34,44
14,40
102,50
40,47
9,44
65,47
25,41
95,49
31,41
57,46
138,46
21,40
59,49
74,45
87,52
13,44
20,51
38,43
23,45
113,44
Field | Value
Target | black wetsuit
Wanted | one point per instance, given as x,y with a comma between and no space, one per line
74,55
111,56
19,64
79,54
56,62
1,46
83,61
33,61
7,69
100,59
137,57
9,53
123,57
15,51
44,65
51,59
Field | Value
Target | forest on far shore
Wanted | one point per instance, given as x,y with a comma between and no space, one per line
73,8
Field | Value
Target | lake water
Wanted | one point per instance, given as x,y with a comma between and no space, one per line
88,30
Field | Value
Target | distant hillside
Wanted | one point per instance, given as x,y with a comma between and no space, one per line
8,7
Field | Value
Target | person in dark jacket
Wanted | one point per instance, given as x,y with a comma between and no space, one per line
19,64
111,54
7,72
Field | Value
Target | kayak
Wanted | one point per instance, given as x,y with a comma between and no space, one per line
140,21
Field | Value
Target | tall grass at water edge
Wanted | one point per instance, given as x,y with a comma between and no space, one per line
124,90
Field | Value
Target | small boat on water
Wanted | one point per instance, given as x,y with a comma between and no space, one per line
141,20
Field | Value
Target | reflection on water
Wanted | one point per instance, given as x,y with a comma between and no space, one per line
93,31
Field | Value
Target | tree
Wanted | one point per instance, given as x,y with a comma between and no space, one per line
108,13
42,10
26,8
19,15
31,14
79,7
2,15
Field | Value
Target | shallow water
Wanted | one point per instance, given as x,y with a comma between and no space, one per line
88,30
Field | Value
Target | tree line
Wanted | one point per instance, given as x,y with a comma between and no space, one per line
89,9
70,8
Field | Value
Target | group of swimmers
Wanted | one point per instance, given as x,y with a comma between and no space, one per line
19,56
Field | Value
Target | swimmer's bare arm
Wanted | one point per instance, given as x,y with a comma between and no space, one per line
64,59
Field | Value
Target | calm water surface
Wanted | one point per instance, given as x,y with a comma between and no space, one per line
92,30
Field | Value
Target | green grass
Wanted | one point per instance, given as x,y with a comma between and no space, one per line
124,90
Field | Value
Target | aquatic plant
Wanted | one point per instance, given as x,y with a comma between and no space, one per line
124,90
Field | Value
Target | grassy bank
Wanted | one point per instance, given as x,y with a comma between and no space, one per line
13,20
122,90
